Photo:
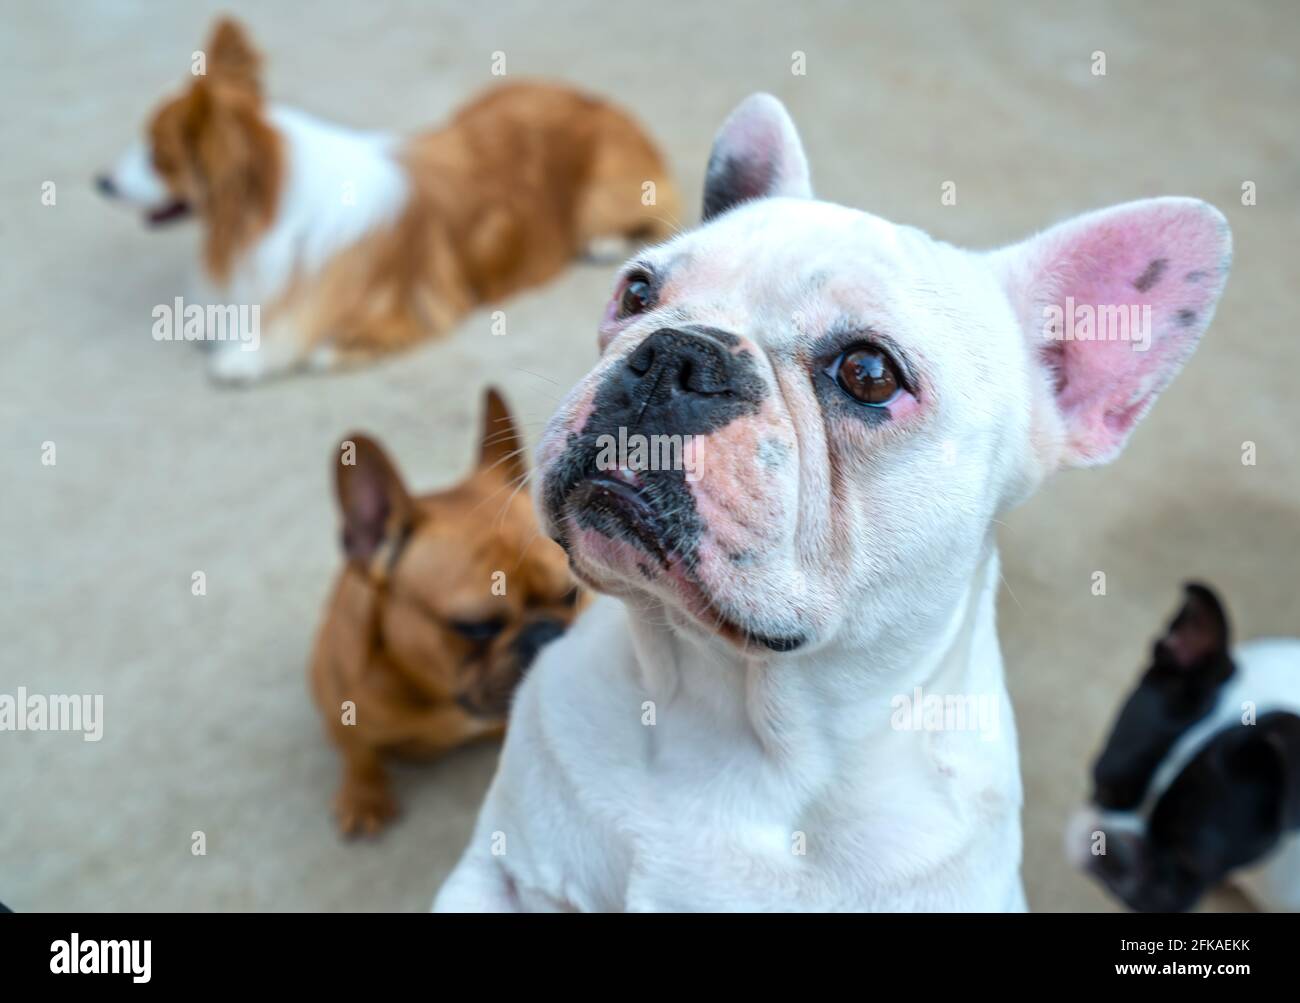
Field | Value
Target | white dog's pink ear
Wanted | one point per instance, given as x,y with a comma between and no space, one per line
756,154
1113,303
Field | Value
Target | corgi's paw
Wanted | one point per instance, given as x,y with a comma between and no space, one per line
231,365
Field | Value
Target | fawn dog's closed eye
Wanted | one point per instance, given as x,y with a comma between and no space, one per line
442,604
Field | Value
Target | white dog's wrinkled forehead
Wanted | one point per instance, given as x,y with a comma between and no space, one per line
783,270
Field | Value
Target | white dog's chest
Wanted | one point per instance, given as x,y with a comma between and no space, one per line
609,800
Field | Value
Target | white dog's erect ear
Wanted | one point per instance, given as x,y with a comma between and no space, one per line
756,154
1113,303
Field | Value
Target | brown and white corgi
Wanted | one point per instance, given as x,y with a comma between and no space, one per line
353,244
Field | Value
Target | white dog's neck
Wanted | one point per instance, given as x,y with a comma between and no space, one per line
834,701
339,184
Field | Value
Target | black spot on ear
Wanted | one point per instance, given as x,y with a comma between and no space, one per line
733,180
1053,356
1195,276
1186,318
1154,271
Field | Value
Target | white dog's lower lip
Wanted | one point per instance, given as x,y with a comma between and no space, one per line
637,516
624,503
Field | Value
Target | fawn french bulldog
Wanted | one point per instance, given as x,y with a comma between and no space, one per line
443,602
1199,780
860,402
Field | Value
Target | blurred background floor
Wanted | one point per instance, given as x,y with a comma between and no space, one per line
208,723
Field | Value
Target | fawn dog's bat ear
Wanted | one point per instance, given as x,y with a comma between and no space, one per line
376,508
500,445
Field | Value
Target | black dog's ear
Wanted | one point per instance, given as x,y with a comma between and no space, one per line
376,507
1198,632
756,154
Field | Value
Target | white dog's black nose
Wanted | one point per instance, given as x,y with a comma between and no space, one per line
105,185
673,361
688,380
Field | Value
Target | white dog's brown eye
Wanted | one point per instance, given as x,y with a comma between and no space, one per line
867,375
637,297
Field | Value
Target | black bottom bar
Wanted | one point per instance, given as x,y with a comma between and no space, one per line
363,952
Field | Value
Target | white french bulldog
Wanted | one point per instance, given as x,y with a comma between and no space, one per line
731,726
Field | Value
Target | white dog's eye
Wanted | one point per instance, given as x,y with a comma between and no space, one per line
637,296
867,375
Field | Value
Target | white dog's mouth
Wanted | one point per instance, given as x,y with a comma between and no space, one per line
631,519
618,506
620,523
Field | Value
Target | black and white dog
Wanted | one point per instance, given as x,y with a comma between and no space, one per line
1199,780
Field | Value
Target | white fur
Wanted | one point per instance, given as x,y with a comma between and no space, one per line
340,185
704,809
326,164
135,180
875,543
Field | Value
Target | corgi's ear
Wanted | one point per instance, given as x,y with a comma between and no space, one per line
501,448
232,57
1113,303
238,160
377,510
756,154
